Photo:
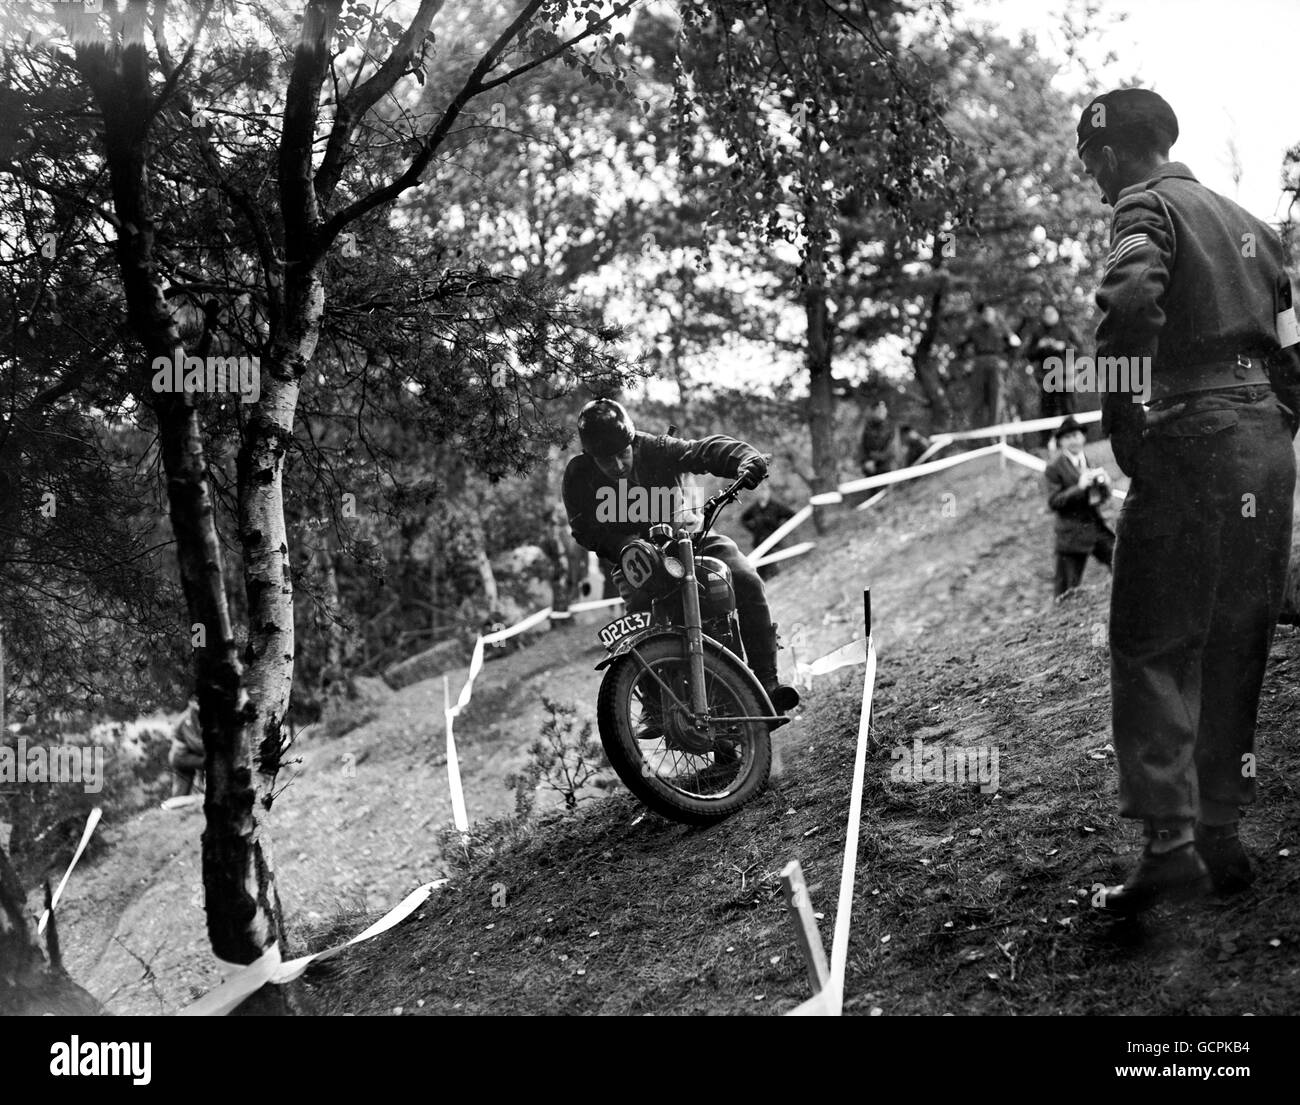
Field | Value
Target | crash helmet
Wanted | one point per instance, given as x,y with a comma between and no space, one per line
605,428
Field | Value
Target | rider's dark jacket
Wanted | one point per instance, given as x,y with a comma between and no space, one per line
657,463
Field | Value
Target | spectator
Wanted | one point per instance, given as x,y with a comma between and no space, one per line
762,518
914,444
879,450
1074,492
186,755
988,343
1051,336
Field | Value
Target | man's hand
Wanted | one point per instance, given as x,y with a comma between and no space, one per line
752,473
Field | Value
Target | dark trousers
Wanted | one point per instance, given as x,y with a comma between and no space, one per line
989,384
1200,568
756,630
1069,565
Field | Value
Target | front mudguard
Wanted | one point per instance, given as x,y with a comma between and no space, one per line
628,643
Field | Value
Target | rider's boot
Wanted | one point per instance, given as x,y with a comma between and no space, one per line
762,660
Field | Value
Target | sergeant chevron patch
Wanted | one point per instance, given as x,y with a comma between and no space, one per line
1124,247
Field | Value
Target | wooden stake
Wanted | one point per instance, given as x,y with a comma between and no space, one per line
805,925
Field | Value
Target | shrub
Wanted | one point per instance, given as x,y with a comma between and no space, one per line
566,758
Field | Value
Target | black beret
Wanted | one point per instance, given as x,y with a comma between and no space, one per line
1126,111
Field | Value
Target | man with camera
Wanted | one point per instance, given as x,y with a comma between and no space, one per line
1075,490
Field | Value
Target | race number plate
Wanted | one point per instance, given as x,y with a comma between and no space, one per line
622,627
637,566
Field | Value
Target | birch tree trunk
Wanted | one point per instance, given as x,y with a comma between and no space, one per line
239,884
243,706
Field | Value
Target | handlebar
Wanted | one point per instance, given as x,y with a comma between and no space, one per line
714,506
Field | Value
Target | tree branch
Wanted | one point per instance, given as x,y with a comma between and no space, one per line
361,98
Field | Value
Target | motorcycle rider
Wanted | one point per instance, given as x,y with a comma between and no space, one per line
618,458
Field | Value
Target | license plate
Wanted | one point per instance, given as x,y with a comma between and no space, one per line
622,627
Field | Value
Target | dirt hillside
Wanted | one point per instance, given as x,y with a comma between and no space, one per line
966,901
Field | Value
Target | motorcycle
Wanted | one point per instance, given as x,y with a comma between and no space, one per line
683,720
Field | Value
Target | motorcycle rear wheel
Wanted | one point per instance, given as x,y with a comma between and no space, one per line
693,776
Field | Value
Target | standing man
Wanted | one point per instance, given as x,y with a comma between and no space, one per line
617,461
1051,336
1075,492
989,343
1195,306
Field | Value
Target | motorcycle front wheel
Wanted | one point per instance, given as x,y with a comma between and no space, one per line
693,774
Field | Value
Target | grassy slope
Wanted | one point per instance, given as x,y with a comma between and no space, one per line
964,903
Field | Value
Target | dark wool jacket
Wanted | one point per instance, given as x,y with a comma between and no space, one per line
880,442
763,521
1043,341
986,339
1191,277
657,462
1078,523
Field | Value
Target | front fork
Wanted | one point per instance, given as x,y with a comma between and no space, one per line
694,627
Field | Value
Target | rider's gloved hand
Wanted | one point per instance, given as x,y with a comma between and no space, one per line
752,473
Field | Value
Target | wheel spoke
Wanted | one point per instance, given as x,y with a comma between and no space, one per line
671,758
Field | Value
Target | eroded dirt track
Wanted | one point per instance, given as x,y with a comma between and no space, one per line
966,901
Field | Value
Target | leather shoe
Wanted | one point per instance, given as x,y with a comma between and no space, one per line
1220,848
1176,875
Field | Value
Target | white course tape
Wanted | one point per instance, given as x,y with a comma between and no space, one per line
594,604
873,500
1021,457
855,652
916,471
271,968
459,816
937,442
829,1002
1015,429
1040,465
245,981
770,541
785,554
519,627
395,916
91,822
